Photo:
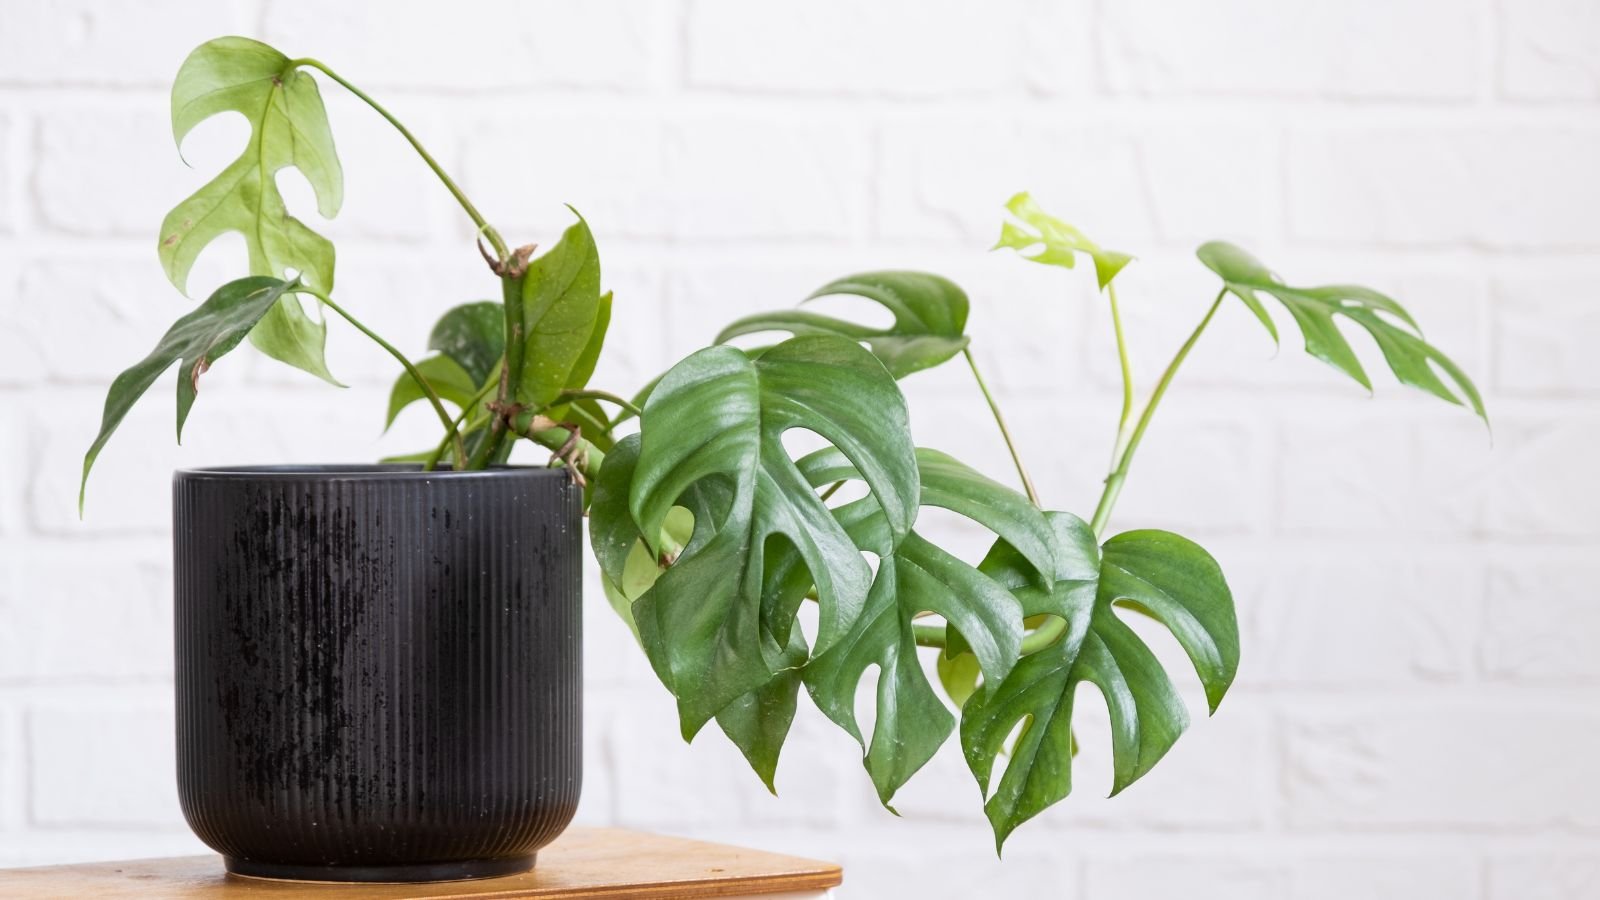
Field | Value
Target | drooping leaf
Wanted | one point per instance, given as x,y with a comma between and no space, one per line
930,318
758,722
561,306
718,417
1169,578
1053,242
288,127
198,340
918,577
470,339
1412,359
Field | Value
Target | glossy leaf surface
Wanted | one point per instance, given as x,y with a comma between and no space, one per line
1413,360
718,417
470,340
930,319
1168,577
197,340
561,306
288,128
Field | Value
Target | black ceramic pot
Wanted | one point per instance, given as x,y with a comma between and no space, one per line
377,668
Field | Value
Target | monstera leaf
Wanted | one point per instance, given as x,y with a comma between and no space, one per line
470,339
561,306
918,577
1398,336
715,424
288,127
930,316
1053,242
198,339
1161,574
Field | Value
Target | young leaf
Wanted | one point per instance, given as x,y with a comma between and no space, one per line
1161,574
915,577
198,339
719,416
1058,243
930,317
1397,334
288,127
471,341
561,306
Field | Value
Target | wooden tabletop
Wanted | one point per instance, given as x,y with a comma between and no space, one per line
583,862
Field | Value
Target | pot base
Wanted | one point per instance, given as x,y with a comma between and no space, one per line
411,874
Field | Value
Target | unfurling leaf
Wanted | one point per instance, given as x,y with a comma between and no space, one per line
930,318
1398,336
713,428
198,339
288,127
1053,242
470,339
1163,575
913,578
561,308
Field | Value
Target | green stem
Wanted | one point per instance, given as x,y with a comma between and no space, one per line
928,635
484,227
589,393
994,408
433,396
444,443
1126,370
495,448
1119,472
555,439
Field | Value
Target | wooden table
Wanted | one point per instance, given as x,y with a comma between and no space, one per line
584,862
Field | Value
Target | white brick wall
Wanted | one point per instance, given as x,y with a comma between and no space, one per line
1416,713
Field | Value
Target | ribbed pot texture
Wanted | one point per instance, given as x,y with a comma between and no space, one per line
378,670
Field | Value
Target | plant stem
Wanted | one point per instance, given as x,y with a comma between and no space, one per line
484,227
994,408
1119,472
433,396
495,448
444,443
589,393
557,438
928,635
1122,359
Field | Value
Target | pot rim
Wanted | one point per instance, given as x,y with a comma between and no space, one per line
359,472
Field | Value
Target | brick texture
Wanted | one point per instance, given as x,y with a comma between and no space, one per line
1414,715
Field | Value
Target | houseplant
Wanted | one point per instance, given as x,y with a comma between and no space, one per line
709,535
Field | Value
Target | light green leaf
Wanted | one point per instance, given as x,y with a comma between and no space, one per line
561,306
444,375
930,318
1053,242
718,417
1166,576
198,340
913,578
1398,336
288,127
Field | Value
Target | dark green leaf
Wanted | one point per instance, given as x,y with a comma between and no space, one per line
561,306
474,335
914,578
289,127
198,339
1412,359
1057,243
444,375
718,417
758,722
1168,577
930,317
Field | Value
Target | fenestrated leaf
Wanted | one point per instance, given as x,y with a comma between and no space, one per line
719,417
1398,336
561,305
470,339
930,318
198,339
1168,577
913,578
288,127
1055,243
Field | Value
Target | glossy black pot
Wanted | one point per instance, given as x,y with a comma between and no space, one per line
378,671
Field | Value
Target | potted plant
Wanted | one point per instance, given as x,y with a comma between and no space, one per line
378,666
